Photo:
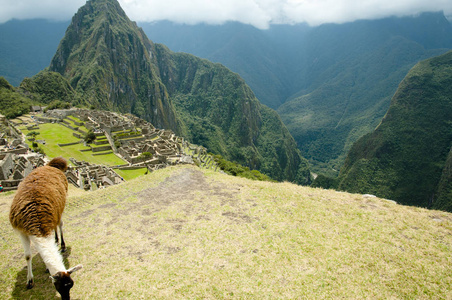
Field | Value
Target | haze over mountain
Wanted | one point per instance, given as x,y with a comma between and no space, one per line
259,13
331,84
111,64
408,156
26,47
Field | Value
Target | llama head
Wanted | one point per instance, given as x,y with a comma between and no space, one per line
59,163
63,282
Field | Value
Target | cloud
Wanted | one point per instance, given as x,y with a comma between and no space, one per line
45,9
259,13
196,11
331,11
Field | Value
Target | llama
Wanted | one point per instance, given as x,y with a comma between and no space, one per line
36,213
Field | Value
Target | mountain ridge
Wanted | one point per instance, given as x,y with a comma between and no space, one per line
342,75
107,74
406,157
328,62
111,64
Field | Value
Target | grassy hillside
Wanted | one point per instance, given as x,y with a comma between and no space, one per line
12,103
184,233
55,134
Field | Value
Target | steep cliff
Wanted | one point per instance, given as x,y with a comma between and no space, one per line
220,111
405,157
107,60
111,64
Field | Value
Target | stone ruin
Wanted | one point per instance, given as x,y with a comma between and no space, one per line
91,176
130,137
14,168
126,135
15,162
104,120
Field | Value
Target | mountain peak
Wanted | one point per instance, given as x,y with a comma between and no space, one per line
107,58
113,66
104,7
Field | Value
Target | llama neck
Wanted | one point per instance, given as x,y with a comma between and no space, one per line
50,253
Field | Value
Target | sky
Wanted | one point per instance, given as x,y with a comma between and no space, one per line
259,13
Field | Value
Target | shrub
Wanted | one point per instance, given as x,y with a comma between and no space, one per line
238,170
57,104
90,137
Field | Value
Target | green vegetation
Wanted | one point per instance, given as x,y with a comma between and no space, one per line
145,156
90,137
405,158
54,134
47,87
238,170
12,103
201,101
131,174
444,193
330,116
33,134
331,84
325,182
103,80
125,134
219,111
337,78
186,233
57,104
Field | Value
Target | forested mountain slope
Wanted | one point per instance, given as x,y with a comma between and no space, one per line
336,79
331,84
111,64
27,46
407,157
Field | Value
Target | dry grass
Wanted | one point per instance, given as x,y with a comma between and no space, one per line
183,233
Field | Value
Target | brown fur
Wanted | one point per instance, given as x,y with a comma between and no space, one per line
40,199
59,163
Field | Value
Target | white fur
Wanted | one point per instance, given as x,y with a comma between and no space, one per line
26,244
49,252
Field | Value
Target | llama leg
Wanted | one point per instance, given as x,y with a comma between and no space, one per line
56,236
63,245
26,244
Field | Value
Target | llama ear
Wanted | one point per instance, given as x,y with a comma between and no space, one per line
54,278
76,268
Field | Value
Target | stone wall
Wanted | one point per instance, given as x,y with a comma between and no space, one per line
136,136
91,176
14,168
6,166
